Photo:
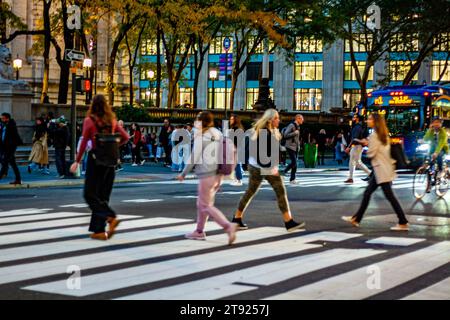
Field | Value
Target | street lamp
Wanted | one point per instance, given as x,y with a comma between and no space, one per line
151,76
17,64
213,77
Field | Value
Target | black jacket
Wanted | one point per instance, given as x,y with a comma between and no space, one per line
61,137
12,138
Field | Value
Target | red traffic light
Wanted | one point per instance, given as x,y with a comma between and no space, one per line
87,85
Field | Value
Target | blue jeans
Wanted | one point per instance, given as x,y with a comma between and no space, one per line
238,171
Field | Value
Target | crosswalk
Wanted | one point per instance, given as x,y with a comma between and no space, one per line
149,259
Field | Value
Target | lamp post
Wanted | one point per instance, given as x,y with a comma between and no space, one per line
17,65
213,77
151,76
87,64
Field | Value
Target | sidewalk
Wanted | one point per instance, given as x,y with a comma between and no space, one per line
146,173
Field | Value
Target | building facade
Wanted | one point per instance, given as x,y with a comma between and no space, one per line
317,79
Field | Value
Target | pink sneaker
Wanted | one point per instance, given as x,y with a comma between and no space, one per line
196,235
232,233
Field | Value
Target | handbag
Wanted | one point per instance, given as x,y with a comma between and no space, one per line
398,154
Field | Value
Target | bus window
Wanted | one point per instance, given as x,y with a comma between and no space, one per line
403,120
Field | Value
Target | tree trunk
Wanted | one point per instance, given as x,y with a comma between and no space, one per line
64,65
196,78
110,76
233,89
47,44
158,68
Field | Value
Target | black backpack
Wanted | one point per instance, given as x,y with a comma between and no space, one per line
106,152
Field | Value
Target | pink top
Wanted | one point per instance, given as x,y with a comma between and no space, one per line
89,132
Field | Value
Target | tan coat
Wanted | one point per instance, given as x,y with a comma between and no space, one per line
380,156
39,151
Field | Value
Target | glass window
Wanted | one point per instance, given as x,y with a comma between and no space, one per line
216,46
350,73
404,42
308,99
186,97
444,42
438,67
308,45
252,96
361,42
219,98
308,70
399,69
254,71
351,97
149,47
259,49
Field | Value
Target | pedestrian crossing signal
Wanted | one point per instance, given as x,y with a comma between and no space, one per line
83,85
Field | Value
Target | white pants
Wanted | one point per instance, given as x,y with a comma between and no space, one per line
355,161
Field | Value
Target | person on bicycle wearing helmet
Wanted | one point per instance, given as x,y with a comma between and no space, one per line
437,137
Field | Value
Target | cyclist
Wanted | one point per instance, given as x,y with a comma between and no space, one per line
437,137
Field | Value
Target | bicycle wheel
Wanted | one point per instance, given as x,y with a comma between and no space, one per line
442,183
421,182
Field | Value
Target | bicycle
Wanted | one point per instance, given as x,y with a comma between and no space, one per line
426,177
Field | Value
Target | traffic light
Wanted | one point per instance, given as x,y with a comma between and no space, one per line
87,85
83,85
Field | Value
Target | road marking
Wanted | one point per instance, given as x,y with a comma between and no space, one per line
56,234
19,212
142,200
85,262
75,205
395,241
44,216
266,274
438,291
186,197
169,269
391,272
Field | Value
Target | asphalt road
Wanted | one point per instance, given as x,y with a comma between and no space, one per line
43,240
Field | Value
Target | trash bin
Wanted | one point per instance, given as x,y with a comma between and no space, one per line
310,155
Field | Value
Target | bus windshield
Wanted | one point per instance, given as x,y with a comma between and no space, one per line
401,120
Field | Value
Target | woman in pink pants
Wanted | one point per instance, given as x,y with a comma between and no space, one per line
206,140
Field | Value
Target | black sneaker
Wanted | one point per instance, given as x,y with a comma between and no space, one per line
241,225
366,178
291,225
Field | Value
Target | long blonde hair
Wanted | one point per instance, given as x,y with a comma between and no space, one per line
381,128
265,122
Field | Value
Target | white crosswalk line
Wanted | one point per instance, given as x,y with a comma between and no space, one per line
56,234
395,241
85,244
438,291
123,278
75,205
44,216
266,274
57,266
142,200
391,272
20,212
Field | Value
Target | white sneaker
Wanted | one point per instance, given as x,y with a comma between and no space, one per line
350,220
236,183
294,183
196,235
400,227
142,162
134,165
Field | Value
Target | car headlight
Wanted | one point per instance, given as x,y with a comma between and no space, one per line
423,147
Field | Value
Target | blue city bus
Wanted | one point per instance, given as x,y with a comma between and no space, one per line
408,111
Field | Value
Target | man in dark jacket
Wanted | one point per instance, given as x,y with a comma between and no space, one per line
164,141
60,142
9,140
355,149
292,136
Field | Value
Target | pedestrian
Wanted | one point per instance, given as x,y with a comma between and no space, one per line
122,149
206,168
292,136
9,141
100,126
152,144
355,149
164,141
39,151
321,146
238,129
136,145
384,172
177,141
61,139
267,125
45,98
340,147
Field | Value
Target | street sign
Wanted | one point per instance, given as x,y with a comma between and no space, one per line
225,65
227,44
74,55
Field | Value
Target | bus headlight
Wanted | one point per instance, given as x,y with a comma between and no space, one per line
423,148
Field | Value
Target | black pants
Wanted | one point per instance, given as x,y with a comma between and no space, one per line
168,152
136,154
387,190
97,191
60,161
293,165
321,157
9,159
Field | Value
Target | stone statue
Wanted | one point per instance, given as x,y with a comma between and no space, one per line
6,70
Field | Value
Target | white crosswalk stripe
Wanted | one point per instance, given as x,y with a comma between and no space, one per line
149,251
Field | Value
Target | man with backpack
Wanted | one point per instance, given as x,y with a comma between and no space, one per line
291,141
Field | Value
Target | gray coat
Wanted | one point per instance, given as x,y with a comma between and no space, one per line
380,157
292,137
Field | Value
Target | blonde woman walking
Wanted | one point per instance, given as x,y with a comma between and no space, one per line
266,128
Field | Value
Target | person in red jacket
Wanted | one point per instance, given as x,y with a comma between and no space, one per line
136,145
99,179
